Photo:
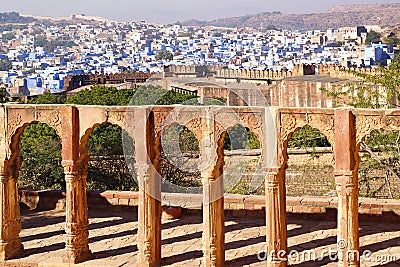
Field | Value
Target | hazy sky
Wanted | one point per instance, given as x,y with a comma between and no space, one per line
165,11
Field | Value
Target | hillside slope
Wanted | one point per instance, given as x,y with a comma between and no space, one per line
339,16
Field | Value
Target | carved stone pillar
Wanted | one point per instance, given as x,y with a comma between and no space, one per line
347,188
213,219
75,169
147,154
212,153
275,211
348,237
149,217
76,219
10,222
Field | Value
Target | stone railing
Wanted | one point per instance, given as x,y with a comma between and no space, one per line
344,128
234,205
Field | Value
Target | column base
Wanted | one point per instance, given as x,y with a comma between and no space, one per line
11,249
74,257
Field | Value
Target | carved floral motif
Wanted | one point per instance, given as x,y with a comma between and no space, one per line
52,117
14,121
323,122
365,124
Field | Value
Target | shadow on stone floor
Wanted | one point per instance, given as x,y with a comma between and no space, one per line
43,249
182,238
41,235
113,235
184,220
112,252
186,256
31,220
365,230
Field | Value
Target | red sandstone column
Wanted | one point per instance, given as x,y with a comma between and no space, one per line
213,198
10,222
275,211
147,153
76,219
213,220
347,188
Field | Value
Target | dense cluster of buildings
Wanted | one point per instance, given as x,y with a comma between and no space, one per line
44,55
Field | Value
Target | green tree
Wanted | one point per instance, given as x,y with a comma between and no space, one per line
5,64
41,152
47,98
187,150
373,37
3,94
102,95
108,168
8,36
156,95
164,55
308,137
380,152
240,137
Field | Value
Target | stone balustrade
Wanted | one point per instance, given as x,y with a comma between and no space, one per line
345,129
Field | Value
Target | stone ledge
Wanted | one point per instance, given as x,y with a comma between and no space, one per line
236,205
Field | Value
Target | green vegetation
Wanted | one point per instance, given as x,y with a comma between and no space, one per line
188,149
392,39
3,94
41,152
365,92
52,45
7,36
156,95
373,37
164,55
102,95
240,137
47,98
308,137
14,17
107,168
380,152
5,64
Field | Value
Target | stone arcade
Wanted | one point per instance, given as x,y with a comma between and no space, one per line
345,129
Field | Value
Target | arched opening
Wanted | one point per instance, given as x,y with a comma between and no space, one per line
180,152
244,223
36,151
40,149
242,157
108,166
379,178
107,153
310,165
379,168
310,174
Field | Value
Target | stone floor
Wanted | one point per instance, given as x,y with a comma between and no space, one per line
112,240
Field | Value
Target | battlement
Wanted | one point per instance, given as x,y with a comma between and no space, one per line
253,74
75,81
337,71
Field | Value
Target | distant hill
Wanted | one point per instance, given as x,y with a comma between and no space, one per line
335,17
14,17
